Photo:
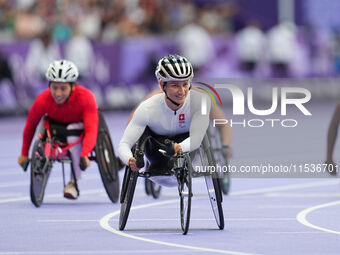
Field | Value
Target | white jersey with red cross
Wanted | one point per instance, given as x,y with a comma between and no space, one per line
156,114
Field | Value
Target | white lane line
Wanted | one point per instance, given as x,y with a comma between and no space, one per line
104,223
302,217
297,233
50,180
282,206
174,219
71,220
15,172
11,194
285,187
302,195
85,192
93,252
228,219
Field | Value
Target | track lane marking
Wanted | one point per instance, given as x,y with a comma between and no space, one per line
104,223
302,217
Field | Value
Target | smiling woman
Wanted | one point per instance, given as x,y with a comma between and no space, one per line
67,106
61,91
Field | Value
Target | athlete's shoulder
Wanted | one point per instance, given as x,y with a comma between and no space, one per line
82,90
83,94
153,101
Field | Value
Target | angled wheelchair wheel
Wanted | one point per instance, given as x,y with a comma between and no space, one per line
128,190
40,171
184,178
107,161
212,183
220,158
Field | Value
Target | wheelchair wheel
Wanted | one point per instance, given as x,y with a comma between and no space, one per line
220,158
184,178
126,179
107,162
128,190
40,171
213,184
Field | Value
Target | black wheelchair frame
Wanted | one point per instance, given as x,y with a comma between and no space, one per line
183,171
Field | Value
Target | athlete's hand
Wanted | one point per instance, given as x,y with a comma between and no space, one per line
331,167
132,164
177,148
84,163
23,162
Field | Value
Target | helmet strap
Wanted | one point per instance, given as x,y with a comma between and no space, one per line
172,101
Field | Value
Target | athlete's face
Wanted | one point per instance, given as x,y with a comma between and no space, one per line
177,90
60,91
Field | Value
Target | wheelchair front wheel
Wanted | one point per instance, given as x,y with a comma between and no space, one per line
128,190
40,171
184,178
213,185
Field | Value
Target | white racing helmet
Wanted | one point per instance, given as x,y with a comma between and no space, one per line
62,71
174,68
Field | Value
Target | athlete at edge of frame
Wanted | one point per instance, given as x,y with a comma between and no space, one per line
331,138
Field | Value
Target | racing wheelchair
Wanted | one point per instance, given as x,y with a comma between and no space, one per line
220,157
182,171
48,149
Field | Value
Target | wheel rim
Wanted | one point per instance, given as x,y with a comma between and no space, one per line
40,169
185,197
212,198
107,166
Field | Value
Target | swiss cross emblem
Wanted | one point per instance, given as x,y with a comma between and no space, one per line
181,117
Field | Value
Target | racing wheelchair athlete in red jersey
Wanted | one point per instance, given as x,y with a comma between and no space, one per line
72,131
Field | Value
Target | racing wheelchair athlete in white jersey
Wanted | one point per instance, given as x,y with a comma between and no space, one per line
166,128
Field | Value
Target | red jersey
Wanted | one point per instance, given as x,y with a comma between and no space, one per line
80,107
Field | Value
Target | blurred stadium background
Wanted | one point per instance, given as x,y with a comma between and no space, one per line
116,44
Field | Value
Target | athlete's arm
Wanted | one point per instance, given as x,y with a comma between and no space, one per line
132,133
90,120
34,116
225,130
199,124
